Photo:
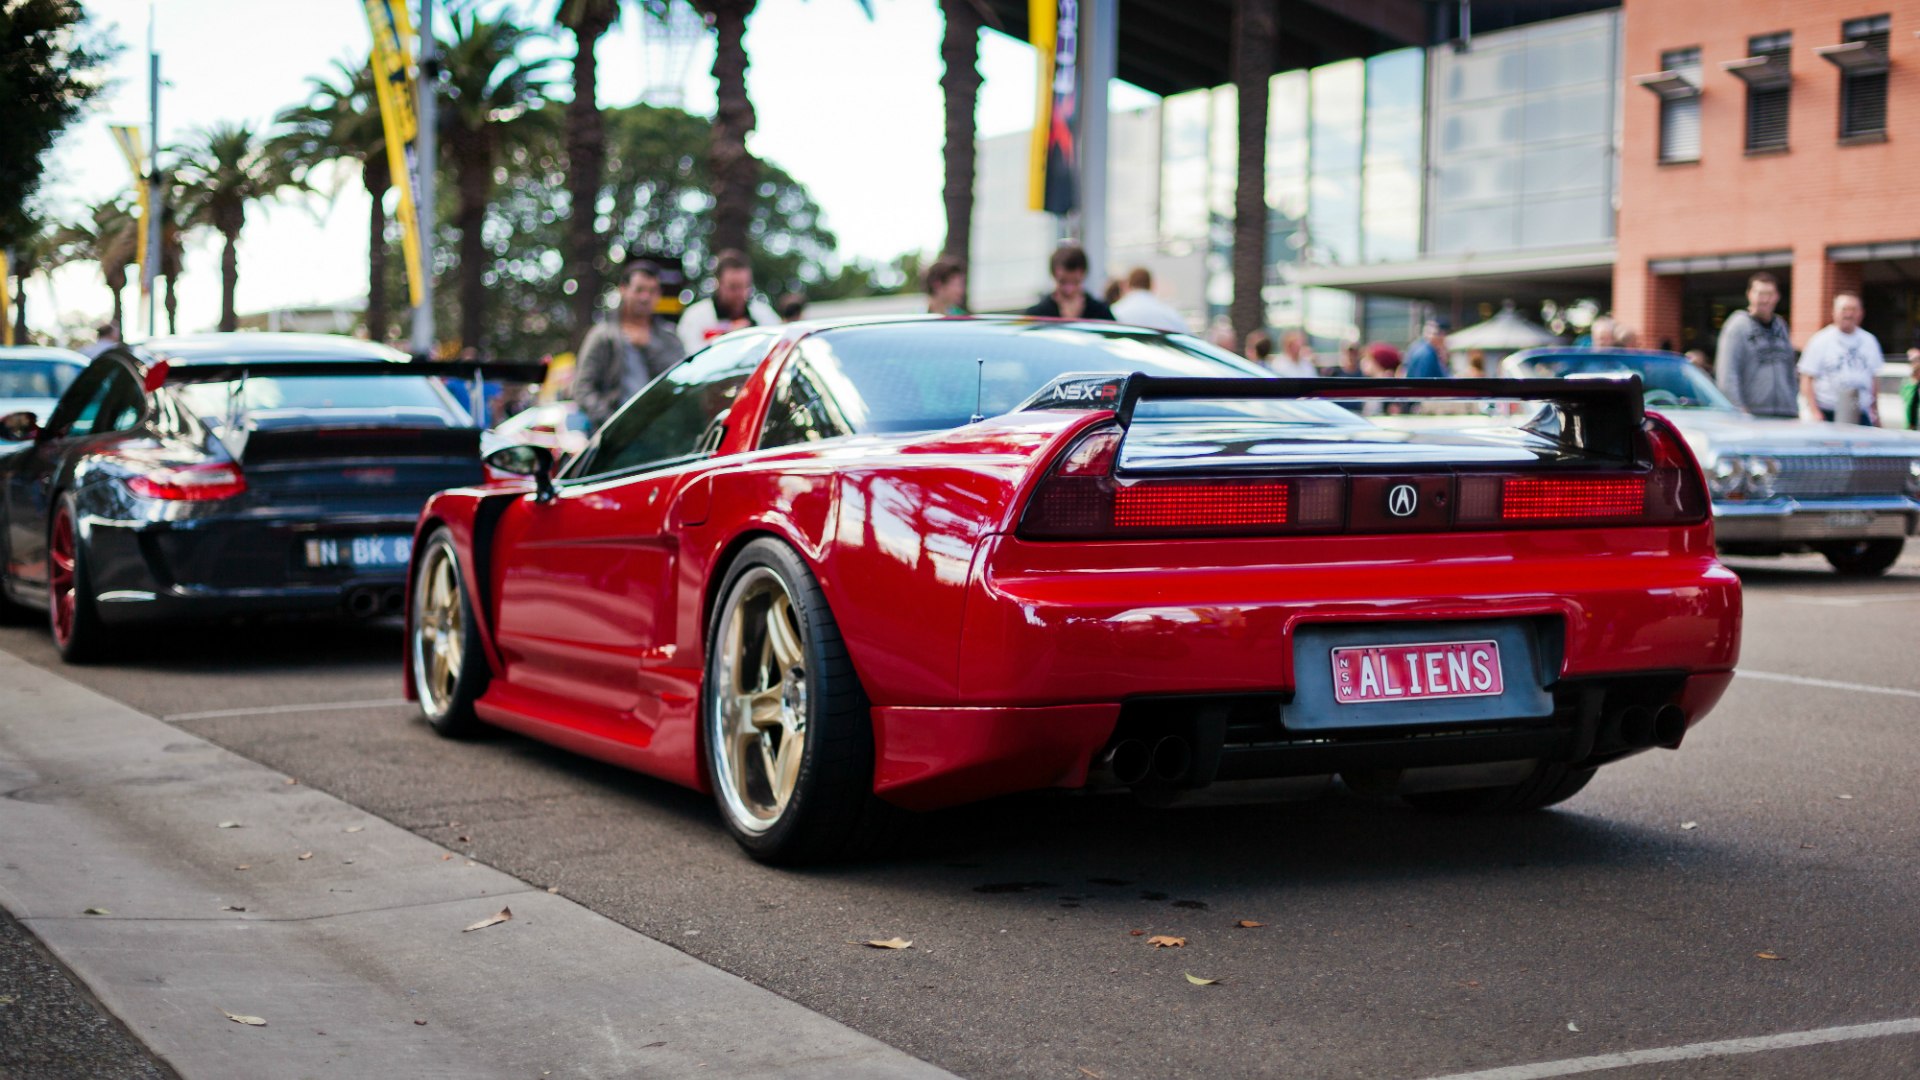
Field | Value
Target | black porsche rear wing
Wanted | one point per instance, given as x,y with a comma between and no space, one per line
1602,416
239,371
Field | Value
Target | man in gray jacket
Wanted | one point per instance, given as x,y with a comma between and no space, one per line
1755,364
627,352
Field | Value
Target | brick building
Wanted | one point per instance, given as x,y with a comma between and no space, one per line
1769,134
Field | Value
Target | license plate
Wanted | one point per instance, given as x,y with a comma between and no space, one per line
1424,671
360,552
1849,519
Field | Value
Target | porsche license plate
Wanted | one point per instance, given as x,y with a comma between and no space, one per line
1428,670
361,552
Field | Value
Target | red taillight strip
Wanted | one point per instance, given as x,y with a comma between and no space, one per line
1531,499
191,483
1175,505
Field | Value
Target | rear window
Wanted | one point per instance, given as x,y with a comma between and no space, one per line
209,401
1666,382
35,378
924,377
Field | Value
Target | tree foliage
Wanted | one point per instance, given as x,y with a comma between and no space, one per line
49,70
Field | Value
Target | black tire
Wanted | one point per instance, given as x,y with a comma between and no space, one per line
1550,783
448,706
83,639
1863,558
831,812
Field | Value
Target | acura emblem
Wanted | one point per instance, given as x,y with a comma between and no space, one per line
1402,500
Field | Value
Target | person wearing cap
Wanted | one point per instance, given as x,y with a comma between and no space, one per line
1427,358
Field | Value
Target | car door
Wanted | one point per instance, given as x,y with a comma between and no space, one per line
587,578
107,398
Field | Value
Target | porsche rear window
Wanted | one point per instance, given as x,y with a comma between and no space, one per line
209,400
921,377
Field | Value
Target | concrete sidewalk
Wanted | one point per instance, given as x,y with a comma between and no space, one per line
341,930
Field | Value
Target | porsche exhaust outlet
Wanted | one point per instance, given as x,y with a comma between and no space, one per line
1128,761
1669,726
1172,759
363,603
392,601
1636,726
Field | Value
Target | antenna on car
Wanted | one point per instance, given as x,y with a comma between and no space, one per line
979,377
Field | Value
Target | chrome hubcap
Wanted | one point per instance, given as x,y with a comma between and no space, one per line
439,633
757,704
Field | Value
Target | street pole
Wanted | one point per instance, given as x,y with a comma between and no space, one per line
1100,32
423,204
149,278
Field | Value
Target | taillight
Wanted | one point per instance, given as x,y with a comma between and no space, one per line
1677,491
1671,492
190,483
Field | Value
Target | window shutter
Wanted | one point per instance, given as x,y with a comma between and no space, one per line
1680,130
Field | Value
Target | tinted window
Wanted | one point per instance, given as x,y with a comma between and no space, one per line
929,376
673,418
35,378
119,408
82,400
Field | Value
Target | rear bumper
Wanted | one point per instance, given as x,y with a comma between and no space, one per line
1790,521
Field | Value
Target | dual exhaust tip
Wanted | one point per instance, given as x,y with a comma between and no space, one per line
371,601
1133,761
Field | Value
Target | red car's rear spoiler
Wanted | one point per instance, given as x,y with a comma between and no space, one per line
1602,415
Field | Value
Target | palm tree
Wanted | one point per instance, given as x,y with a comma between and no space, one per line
735,171
491,96
34,249
109,235
960,85
341,120
225,169
588,21
1255,37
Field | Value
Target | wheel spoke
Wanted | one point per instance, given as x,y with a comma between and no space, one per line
786,766
783,634
762,709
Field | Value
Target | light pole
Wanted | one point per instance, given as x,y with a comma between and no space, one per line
149,278
423,205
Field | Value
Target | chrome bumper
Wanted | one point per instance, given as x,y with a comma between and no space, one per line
1787,520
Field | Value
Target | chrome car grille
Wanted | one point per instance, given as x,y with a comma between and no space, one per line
1816,475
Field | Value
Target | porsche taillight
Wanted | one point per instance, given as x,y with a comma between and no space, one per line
190,483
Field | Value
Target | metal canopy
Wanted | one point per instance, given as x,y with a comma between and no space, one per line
1669,85
1854,57
1170,46
1769,72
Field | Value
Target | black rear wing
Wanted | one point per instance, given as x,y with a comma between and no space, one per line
501,371
1602,416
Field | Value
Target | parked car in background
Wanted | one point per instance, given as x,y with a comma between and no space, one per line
225,474
831,571
1779,486
32,377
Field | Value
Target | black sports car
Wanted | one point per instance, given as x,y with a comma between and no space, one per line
228,474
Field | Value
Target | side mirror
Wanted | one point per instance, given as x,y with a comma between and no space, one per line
534,461
19,427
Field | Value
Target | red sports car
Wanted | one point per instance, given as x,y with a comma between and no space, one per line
828,572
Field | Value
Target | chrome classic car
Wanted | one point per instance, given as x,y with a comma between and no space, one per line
1779,486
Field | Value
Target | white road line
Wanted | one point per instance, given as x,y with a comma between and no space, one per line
270,710
1852,601
1691,1051
1829,684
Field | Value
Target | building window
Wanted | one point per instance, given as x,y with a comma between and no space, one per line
1863,81
1768,90
1680,106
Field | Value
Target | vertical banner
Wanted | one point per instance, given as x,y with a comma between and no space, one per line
127,137
1054,26
6,301
393,85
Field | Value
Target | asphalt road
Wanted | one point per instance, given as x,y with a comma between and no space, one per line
1394,945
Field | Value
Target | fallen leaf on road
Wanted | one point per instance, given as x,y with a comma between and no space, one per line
250,1021
463,840
353,828
290,781
231,907
422,1023
1084,1071
1249,924
651,1045
447,856
1198,981
244,866
1768,956
305,855
491,920
1571,1026
231,825
7,999
890,943
553,889
96,911
1689,825
1136,933
1471,984
1843,796
1166,941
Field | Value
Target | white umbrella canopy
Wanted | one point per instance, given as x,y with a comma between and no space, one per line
1506,332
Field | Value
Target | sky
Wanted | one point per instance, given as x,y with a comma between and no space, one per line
848,105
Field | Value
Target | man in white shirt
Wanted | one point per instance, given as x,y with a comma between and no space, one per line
1139,307
731,307
1838,366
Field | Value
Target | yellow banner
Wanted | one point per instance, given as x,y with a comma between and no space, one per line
393,85
128,138
6,302
1043,18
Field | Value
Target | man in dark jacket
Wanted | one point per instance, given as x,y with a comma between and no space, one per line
1755,365
1069,299
625,353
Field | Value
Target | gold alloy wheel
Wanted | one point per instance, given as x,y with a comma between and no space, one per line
758,701
439,631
